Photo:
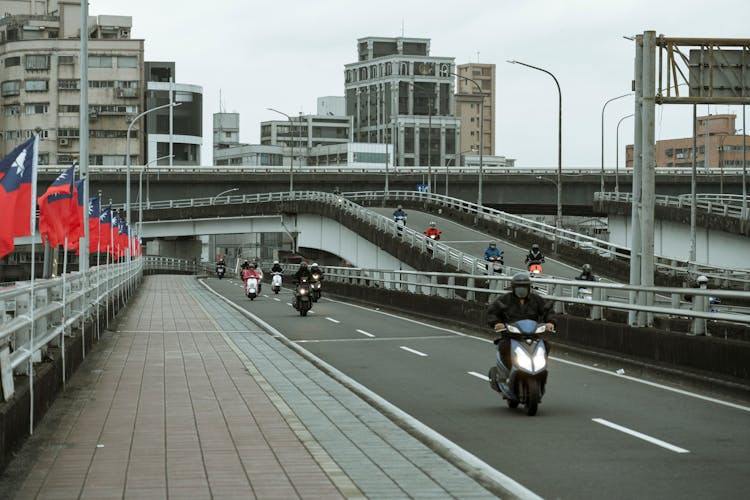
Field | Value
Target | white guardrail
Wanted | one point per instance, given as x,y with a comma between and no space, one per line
462,261
668,302
62,304
725,205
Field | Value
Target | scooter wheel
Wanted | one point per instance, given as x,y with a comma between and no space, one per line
512,403
303,312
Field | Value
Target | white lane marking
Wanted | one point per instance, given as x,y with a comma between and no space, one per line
332,320
640,435
572,363
377,339
479,375
266,296
277,300
365,333
289,304
658,386
413,351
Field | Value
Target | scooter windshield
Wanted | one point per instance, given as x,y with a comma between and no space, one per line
527,326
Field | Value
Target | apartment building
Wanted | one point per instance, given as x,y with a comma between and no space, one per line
475,101
723,143
40,81
398,94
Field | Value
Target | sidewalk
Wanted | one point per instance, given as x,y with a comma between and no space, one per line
189,399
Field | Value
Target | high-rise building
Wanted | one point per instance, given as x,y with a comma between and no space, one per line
40,83
177,131
469,102
396,89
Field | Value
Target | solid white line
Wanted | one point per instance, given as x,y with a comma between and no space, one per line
572,363
365,333
332,320
639,435
413,351
479,375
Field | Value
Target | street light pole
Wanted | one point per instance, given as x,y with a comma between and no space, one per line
559,148
291,162
213,200
127,154
481,135
617,153
140,191
601,184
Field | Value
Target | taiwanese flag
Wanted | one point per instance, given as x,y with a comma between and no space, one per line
114,247
77,229
17,187
57,208
105,229
95,210
123,238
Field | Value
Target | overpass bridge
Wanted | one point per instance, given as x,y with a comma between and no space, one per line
514,190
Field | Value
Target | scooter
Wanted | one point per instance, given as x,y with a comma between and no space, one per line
251,287
585,293
303,302
315,287
525,382
495,264
400,223
535,269
220,270
276,282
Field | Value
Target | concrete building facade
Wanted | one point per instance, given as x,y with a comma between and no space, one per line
469,102
396,90
40,83
724,146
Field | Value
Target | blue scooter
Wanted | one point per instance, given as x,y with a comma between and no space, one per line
525,382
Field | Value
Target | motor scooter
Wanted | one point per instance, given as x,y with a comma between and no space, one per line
220,270
315,287
400,223
276,282
251,287
535,269
525,380
496,264
302,299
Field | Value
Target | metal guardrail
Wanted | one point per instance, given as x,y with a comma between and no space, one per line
559,291
59,305
724,205
450,256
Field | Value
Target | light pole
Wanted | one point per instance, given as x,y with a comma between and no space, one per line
213,200
481,135
617,153
601,184
559,207
473,149
291,163
559,146
127,154
140,191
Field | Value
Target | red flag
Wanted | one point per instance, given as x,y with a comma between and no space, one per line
16,187
57,207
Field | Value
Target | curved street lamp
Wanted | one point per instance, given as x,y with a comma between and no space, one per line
213,200
291,162
617,153
140,191
481,135
601,184
559,147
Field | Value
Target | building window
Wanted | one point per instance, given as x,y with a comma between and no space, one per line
43,159
68,84
68,132
12,61
127,62
10,87
66,59
68,108
39,108
100,61
12,110
36,85
30,133
37,61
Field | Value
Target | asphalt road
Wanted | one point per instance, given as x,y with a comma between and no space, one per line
687,446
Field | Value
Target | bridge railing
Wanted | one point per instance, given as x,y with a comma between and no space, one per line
668,302
59,305
724,205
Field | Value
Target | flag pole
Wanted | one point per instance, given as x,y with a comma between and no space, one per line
62,335
98,269
32,224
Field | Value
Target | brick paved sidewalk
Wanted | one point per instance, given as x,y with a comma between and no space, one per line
164,407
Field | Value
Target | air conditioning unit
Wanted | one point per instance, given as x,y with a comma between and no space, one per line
63,141
681,155
124,33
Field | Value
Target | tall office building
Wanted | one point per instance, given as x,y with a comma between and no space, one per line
397,90
40,83
469,102
177,131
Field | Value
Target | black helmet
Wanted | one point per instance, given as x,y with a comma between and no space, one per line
303,265
535,246
520,284
587,268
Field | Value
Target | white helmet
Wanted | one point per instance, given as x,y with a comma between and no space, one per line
275,262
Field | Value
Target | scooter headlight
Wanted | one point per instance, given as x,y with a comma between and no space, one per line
303,291
512,329
541,328
522,359
540,358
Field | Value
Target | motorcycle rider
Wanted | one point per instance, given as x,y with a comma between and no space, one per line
302,273
433,231
535,256
520,303
252,272
220,265
586,274
315,269
276,268
492,251
399,212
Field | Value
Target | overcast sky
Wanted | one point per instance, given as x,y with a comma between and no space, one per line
285,54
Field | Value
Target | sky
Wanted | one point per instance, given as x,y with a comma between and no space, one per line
285,55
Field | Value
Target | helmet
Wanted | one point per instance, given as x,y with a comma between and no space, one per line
275,262
535,246
303,265
399,207
701,280
586,268
432,224
253,265
520,284
314,264
492,244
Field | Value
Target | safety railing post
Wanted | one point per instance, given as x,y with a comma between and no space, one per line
596,311
700,304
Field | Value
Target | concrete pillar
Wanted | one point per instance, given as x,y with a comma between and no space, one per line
648,174
635,231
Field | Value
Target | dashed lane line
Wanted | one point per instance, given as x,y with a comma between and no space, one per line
365,333
479,375
640,435
332,320
413,351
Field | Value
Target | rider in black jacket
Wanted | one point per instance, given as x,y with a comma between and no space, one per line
520,303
